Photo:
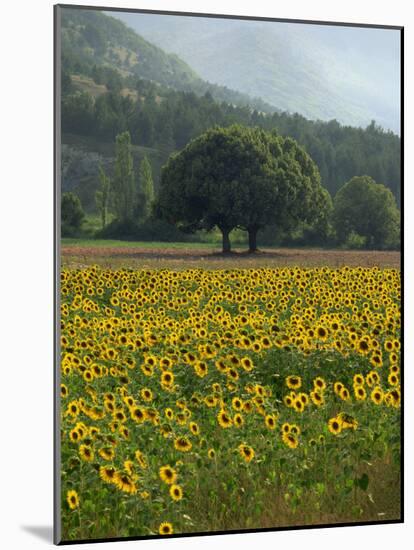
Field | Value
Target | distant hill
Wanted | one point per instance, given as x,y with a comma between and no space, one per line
321,72
114,80
91,38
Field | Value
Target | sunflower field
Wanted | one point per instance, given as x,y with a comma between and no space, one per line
210,400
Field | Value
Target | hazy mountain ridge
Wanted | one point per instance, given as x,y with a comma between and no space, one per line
91,38
322,72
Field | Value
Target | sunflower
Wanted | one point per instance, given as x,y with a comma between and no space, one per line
176,492
129,467
74,435
124,482
290,440
248,406
167,379
288,400
360,393
165,528
319,383
395,398
363,346
233,374
211,453
194,427
317,398
182,444
246,452
107,453
376,360
293,382
181,419
285,428
72,499
73,409
169,413
335,425
345,394
298,405
124,431
147,369
270,421
348,421
294,429
221,366
146,394
393,379
224,419
393,358
247,364
168,474
138,414
107,474
201,369
238,420
237,403
359,380
119,415
86,453
377,395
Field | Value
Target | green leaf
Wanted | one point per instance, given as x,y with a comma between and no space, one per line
363,482
320,488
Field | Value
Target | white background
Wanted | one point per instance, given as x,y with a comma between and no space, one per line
26,288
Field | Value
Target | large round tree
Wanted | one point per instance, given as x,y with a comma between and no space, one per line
239,177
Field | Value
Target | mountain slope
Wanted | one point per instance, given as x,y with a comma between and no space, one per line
109,86
90,38
322,72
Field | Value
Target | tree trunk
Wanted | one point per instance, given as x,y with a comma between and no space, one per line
253,239
226,240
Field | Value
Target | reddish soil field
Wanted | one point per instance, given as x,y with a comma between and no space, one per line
174,258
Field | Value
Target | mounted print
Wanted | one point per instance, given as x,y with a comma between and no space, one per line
228,274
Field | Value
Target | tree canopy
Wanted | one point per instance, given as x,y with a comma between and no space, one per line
123,192
368,209
240,177
72,214
340,152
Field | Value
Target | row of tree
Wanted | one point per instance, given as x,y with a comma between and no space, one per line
130,197
167,120
245,178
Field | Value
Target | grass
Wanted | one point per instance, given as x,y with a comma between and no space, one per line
87,84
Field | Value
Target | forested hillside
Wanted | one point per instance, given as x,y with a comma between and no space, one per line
92,40
113,80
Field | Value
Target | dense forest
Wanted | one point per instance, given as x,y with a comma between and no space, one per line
114,81
168,118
